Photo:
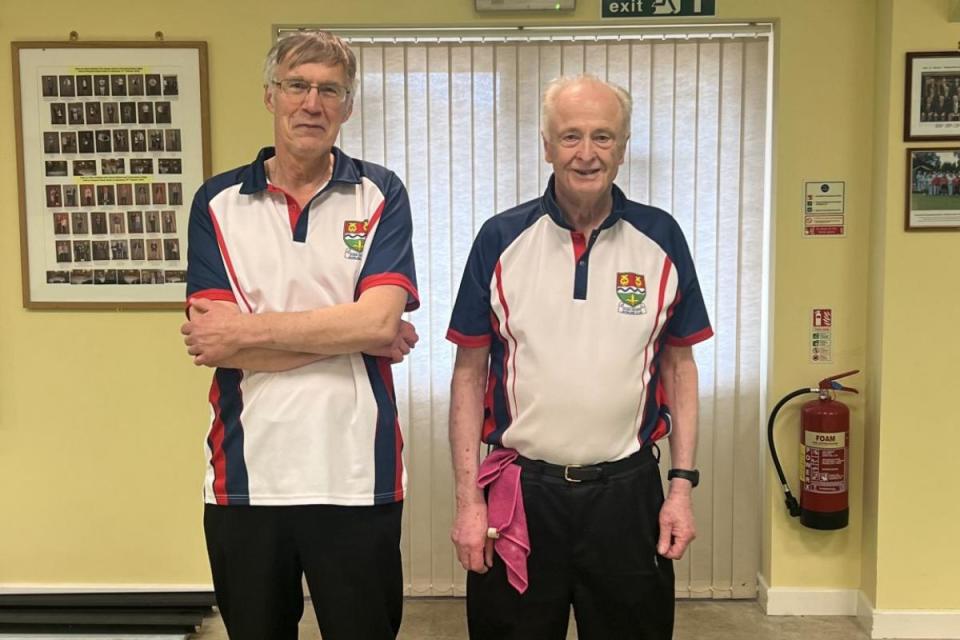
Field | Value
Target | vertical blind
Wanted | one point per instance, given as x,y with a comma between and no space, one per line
457,116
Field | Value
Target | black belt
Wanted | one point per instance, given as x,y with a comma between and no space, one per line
590,472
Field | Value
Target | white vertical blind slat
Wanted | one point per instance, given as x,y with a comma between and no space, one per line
703,245
746,481
419,447
726,343
506,133
438,307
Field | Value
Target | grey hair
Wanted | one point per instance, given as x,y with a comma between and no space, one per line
310,45
559,84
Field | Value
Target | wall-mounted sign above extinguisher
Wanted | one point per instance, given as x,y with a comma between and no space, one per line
825,456
821,336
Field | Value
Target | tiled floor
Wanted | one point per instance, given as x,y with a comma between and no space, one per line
444,619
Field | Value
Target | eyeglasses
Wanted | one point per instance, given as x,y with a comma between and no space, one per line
298,89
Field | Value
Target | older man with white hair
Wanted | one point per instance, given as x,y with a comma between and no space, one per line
575,322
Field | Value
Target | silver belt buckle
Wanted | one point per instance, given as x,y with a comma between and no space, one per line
566,472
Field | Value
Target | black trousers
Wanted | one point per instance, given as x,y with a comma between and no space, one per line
593,546
349,555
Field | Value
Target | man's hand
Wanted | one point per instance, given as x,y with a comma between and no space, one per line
676,526
405,341
469,535
211,332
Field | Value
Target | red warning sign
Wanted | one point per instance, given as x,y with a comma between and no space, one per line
822,318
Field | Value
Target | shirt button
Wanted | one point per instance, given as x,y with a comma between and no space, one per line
582,263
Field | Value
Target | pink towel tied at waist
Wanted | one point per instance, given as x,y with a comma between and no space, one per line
505,513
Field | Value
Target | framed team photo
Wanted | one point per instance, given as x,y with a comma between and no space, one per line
932,96
933,190
104,131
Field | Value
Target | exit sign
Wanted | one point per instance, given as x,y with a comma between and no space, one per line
657,8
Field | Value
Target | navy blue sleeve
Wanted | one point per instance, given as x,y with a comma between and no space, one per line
689,323
470,324
206,273
389,260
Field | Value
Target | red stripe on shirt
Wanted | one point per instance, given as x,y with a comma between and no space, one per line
661,293
293,207
506,324
490,424
217,456
375,218
579,245
210,294
463,340
395,279
691,339
226,259
213,294
659,429
383,365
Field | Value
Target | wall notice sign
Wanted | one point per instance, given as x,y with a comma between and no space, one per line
823,209
821,336
657,8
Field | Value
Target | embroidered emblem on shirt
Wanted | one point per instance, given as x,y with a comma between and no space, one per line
632,290
354,236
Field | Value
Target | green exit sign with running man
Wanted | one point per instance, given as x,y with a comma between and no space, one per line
657,8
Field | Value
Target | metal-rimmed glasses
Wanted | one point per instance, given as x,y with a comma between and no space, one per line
298,89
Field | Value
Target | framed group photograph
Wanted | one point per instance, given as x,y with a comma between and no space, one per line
932,96
112,141
933,190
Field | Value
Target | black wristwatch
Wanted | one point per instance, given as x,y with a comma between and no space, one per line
687,474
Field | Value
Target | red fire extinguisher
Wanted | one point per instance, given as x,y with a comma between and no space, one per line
825,445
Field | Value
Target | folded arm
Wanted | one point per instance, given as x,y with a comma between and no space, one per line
218,334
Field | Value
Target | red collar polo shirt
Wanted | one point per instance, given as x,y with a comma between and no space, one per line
326,433
575,326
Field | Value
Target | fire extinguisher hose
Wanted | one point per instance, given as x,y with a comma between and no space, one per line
793,506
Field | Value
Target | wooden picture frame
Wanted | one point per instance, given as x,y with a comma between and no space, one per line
933,189
112,142
932,96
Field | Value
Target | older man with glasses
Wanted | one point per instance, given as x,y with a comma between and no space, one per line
300,266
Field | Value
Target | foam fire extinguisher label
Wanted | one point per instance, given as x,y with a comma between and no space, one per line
824,462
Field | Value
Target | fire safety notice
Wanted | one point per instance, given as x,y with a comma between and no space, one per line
824,209
821,336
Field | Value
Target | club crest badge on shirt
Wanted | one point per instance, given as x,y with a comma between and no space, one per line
632,291
354,236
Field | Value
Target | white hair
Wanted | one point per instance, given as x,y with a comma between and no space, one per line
563,82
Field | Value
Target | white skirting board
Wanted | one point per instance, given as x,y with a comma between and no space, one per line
903,624
82,636
23,588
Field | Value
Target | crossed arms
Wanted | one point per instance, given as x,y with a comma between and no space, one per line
217,334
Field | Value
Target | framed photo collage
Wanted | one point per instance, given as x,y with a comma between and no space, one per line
113,143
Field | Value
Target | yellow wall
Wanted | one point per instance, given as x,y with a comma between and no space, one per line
917,557
822,131
102,416
877,264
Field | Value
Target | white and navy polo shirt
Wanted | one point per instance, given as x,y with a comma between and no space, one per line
326,433
575,326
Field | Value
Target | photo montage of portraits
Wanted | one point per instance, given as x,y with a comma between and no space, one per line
116,140
106,138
